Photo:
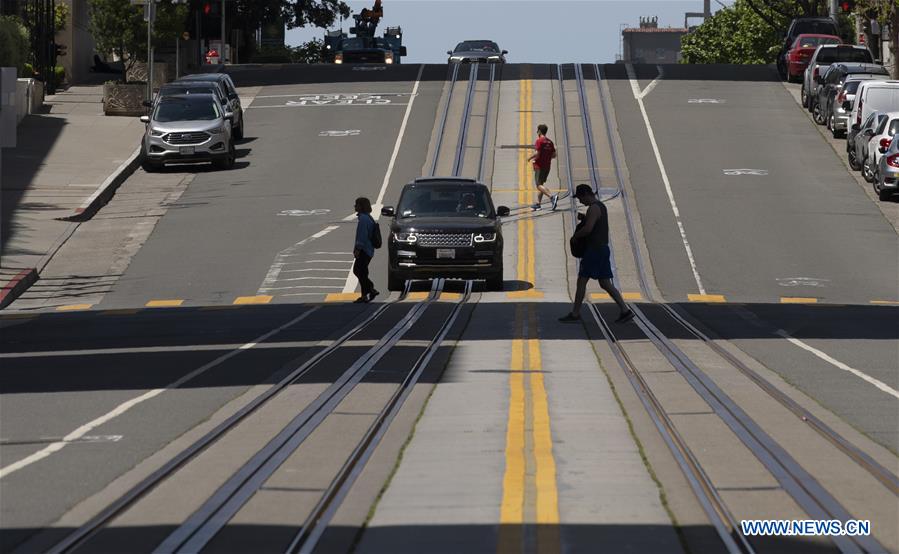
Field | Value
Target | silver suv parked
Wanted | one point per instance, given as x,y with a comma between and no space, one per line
188,128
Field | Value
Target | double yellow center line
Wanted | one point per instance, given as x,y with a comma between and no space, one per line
526,269
529,514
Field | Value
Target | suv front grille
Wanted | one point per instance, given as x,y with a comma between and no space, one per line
453,240
186,138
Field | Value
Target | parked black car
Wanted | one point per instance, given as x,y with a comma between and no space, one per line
804,25
445,227
832,84
477,51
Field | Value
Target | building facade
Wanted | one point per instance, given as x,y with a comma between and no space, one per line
650,43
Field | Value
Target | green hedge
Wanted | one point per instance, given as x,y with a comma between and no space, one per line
14,47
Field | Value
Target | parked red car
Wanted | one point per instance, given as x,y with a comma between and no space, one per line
798,56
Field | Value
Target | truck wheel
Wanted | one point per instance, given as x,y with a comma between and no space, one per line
395,282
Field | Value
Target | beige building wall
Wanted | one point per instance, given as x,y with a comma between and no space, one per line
77,37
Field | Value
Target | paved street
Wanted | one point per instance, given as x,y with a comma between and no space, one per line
200,326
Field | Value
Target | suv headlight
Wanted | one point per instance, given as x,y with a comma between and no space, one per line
410,238
456,58
338,57
485,237
388,57
223,129
156,132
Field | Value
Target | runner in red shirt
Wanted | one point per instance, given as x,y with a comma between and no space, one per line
544,153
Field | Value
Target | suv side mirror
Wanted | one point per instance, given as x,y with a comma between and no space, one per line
505,52
855,127
502,211
145,119
449,52
388,211
402,50
229,116
146,104
847,105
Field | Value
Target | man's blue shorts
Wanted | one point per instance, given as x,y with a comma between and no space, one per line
596,263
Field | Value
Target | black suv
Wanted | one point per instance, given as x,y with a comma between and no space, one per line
445,227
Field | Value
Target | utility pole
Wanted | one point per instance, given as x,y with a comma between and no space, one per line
834,9
222,53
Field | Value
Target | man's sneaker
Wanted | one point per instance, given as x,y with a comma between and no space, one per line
361,300
625,317
554,201
372,295
536,206
570,318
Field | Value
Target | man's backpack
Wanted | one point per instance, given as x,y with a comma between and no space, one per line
578,246
376,240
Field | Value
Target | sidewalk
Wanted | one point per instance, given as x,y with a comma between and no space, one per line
62,158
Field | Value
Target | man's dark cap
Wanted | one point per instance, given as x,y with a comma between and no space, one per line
583,190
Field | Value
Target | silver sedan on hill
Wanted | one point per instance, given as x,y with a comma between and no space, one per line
886,175
477,51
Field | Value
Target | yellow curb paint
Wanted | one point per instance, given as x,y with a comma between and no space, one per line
261,299
124,311
418,296
706,298
164,303
73,307
341,296
450,296
797,300
885,302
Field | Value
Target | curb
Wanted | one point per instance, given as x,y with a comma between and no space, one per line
106,190
17,285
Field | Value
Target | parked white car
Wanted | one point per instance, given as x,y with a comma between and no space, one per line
824,56
879,143
886,182
857,149
873,96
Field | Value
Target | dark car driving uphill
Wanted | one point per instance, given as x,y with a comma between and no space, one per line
445,227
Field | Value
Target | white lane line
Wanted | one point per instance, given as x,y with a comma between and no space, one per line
334,94
836,363
390,105
655,148
654,82
351,280
125,406
271,277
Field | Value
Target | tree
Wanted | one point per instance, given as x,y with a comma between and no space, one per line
294,13
15,46
738,34
118,27
886,12
170,22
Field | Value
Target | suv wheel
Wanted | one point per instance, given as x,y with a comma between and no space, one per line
853,160
228,161
818,113
146,164
495,281
238,130
803,96
395,282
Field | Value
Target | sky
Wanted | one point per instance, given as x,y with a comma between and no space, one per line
533,31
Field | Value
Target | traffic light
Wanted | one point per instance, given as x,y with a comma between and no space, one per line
847,6
61,49
212,8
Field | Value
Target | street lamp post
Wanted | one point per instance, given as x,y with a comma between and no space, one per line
222,53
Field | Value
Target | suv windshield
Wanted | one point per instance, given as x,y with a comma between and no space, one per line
169,90
444,201
183,109
353,44
812,42
816,27
477,46
831,55
851,87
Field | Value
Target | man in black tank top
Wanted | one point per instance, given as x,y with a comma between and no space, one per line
596,262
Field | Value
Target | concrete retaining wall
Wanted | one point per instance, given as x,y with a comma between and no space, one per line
29,97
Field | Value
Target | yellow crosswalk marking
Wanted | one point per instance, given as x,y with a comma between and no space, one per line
635,296
164,303
885,302
73,307
261,299
706,298
797,300
341,297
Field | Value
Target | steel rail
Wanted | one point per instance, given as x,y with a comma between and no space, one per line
712,504
459,158
454,76
887,477
315,525
195,533
487,119
795,480
83,533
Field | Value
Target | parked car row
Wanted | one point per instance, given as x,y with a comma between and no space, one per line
193,119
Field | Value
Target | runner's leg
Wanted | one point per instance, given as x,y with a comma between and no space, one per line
579,295
609,287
